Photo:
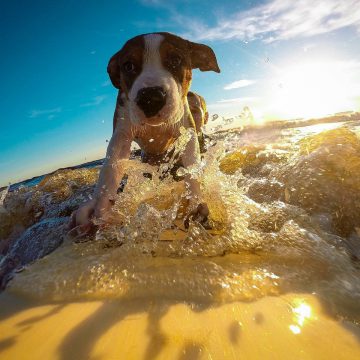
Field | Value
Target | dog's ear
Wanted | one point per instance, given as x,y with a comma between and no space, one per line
203,57
113,69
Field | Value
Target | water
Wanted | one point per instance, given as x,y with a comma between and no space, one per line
37,179
284,207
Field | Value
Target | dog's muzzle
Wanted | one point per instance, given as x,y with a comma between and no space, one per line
151,100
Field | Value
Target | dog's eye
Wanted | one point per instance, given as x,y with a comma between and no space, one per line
174,60
129,66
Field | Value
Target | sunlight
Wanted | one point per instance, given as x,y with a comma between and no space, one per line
313,90
302,312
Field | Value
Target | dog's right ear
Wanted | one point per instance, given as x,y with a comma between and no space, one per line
113,69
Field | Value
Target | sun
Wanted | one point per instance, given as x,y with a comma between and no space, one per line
312,89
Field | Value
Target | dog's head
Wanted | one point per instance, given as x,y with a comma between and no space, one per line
153,73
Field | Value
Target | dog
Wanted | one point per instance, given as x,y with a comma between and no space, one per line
153,74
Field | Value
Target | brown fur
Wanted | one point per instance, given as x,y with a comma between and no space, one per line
132,51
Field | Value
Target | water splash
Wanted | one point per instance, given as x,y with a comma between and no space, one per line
264,242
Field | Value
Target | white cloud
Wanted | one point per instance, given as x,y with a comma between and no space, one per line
231,106
281,20
236,100
50,112
97,100
239,84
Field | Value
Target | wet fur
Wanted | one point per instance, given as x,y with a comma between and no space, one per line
152,64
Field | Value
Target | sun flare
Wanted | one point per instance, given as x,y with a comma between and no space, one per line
313,90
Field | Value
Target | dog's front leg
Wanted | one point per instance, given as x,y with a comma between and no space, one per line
191,159
111,172
110,175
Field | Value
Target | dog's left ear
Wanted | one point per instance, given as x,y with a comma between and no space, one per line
203,57
113,69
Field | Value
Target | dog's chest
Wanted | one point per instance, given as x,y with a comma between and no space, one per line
156,139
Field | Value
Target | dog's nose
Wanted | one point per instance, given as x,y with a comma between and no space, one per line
151,100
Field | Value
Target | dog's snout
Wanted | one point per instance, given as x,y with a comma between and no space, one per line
151,100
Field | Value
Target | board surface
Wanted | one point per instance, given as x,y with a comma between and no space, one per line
293,326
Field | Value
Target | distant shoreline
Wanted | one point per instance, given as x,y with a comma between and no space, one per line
276,124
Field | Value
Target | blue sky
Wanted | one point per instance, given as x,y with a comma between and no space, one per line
282,58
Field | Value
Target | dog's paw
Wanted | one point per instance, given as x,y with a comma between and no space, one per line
84,221
81,223
200,215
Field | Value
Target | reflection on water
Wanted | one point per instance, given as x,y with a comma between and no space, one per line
284,220
302,312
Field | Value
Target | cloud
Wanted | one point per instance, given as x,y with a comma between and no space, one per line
281,20
106,83
239,84
49,112
236,100
231,103
97,100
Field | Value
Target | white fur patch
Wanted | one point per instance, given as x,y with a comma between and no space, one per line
154,74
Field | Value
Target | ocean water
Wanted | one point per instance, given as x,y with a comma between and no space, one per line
37,179
285,213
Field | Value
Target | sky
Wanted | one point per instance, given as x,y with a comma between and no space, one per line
282,58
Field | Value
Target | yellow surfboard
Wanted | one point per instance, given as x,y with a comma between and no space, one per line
293,326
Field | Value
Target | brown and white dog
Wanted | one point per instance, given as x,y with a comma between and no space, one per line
153,74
